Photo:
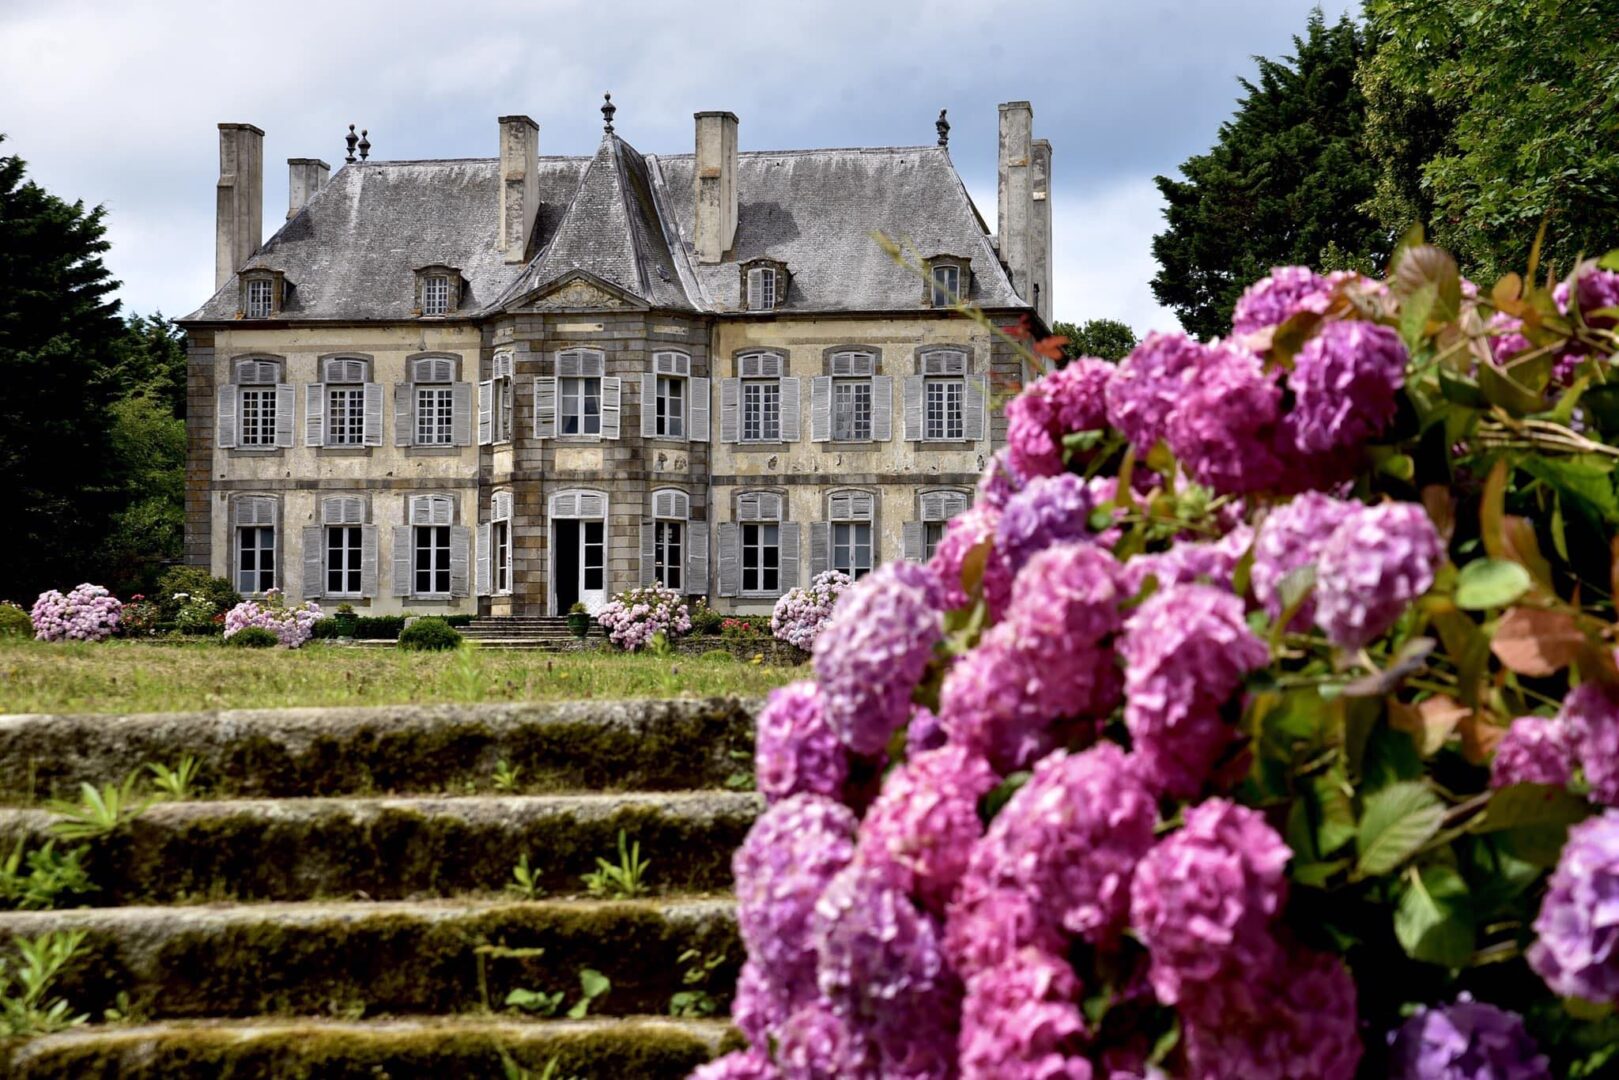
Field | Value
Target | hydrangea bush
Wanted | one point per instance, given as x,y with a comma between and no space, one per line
634,617
801,612
292,624
1260,719
88,613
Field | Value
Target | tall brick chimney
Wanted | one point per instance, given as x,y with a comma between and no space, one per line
239,217
519,185
305,177
1015,204
1040,231
716,196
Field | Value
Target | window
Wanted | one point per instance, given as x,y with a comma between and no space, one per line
946,284
345,401
500,542
851,409
668,552
944,390
671,406
255,558
435,414
922,537
593,548
761,558
850,515
260,298
761,288
432,560
500,406
581,406
932,533
761,411
436,294
344,546
256,426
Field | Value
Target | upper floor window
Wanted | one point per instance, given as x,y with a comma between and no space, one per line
946,284
260,298
345,401
670,373
579,400
434,404
851,403
761,397
943,402
436,294
761,288
256,409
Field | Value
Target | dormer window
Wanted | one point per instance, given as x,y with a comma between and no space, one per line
438,291
436,295
764,284
261,294
948,281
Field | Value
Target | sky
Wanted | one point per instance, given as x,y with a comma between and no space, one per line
116,103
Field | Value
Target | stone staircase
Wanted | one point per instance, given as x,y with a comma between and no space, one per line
334,902
541,632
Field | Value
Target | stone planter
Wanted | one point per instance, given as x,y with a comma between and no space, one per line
579,624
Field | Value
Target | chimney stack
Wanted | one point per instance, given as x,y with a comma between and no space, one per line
1015,205
715,218
305,177
239,218
1040,231
519,185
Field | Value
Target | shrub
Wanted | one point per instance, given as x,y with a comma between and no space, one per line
198,615
252,637
801,612
457,621
14,621
88,613
429,634
180,584
378,627
140,617
739,626
634,617
290,625
704,619
578,608
324,629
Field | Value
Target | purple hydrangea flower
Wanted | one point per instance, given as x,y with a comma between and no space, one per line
872,652
1507,339
1148,385
925,822
1577,948
1468,1040
1345,382
966,532
800,612
1066,597
1211,562
1204,898
988,924
1533,751
739,1065
1055,405
1308,1028
87,613
795,750
1048,510
1186,650
1376,563
1590,718
992,702
1596,290
1291,537
1223,428
762,1003
817,1044
924,732
1021,1021
1000,481
1273,300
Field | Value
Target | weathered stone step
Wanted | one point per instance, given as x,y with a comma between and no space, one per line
576,745
413,1049
357,960
399,848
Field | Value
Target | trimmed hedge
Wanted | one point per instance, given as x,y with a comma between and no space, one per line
429,635
388,627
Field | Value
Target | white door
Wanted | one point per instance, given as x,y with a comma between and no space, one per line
593,564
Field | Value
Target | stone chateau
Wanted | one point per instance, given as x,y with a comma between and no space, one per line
503,385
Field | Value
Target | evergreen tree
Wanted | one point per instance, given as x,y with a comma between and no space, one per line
1286,182
1108,339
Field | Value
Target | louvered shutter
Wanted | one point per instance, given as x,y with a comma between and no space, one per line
697,410
485,537
730,402
789,555
933,505
648,553
789,410
486,412
882,407
913,541
314,561
649,404
373,414
912,391
697,558
404,414
591,505
973,407
314,414
729,537
612,405
403,559
368,561
820,409
820,548
461,414
545,407
460,561
286,402
225,412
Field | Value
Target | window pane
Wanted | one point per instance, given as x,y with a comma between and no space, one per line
345,416
851,410
436,295
761,411
943,409
671,406
256,418
932,533
434,414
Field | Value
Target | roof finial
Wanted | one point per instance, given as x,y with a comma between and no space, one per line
365,144
351,139
943,127
607,113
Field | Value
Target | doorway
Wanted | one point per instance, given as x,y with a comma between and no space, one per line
578,551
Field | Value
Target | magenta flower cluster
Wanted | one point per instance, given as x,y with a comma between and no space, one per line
634,617
292,624
87,613
801,612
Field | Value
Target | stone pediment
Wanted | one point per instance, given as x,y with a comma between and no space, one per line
578,291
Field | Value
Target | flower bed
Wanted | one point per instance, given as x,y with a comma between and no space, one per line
634,617
292,625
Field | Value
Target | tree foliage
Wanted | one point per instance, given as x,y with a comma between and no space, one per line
1108,339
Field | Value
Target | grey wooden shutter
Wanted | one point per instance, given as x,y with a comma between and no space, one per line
225,411
820,548
882,407
789,555
612,405
730,401
460,560
545,407
649,404
314,564
314,414
697,557
972,409
373,414
914,541
404,413
697,410
912,391
486,412
789,410
368,561
484,545
403,559
286,402
820,409
461,414
648,553
729,537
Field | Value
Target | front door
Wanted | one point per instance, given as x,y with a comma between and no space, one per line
579,569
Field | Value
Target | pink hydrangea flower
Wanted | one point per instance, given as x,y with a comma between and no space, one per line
1071,399
1306,1031
1375,563
88,613
966,533
293,625
1534,750
1223,428
1021,1021
1149,384
634,617
1291,537
795,750
739,1065
1272,300
1345,382
925,823
801,612
1590,721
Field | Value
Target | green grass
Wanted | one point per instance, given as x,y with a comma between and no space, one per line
128,676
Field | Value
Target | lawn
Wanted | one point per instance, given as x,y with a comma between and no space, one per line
128,676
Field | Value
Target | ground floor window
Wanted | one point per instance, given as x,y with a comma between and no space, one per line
432,560
851,547
343,560
761,558
932,533
668,550
500,540
595,553
255,558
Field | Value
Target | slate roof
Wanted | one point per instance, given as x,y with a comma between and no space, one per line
627,219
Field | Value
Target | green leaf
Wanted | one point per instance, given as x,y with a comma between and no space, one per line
1491,583
1502,389
593,982
1391,757
1588,484
1434,922
1315,875
1395,822
1529,804
1610,261
1335,814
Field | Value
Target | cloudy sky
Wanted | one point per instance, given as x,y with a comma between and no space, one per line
116,101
